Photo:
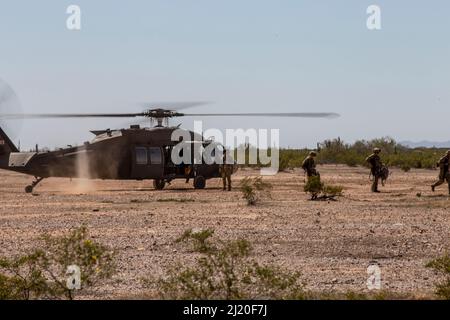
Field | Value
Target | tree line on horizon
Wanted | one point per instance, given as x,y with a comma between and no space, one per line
337,151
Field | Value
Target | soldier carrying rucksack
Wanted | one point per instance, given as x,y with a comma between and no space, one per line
376,167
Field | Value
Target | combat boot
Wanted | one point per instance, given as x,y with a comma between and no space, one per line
375,188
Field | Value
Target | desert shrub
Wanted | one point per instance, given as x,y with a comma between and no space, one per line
291,158
201,243
320,190
314,186
24,278
254,189
284,163
405,168
248,192
225,270
442,266
332,190
351,162
336,151
42,273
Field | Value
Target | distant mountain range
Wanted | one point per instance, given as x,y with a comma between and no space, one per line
426,144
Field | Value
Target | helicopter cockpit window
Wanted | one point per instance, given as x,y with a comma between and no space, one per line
141,155
155,156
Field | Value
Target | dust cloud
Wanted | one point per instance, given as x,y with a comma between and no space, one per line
83,181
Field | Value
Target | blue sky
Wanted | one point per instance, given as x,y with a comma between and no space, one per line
249,56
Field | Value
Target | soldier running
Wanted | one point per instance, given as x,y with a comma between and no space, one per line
443,165
375,167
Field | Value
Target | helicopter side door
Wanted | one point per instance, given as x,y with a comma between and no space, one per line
147,162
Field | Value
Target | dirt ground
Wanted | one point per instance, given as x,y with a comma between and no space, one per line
331,243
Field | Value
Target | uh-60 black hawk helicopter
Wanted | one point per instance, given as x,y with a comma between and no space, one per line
126,154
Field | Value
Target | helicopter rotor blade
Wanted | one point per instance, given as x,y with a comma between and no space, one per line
9,103
294,115
170,114
70,115
164,106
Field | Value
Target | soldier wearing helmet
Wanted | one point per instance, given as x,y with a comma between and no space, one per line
376,165
443,166
309,165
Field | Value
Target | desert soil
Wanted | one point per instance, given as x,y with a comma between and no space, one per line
331,243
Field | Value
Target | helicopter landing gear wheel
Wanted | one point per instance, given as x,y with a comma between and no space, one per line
159,184
29,188
199,182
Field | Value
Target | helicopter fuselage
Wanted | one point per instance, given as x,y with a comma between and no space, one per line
126,154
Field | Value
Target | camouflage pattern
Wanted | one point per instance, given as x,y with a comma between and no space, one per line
309,165
444,175
384,174
376,166
226,170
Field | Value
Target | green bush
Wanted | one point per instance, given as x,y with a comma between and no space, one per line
351,162
313,186
254,189
405,168
442,266
24,278
320,190
336,151
201,237
224,270
332,191
42,273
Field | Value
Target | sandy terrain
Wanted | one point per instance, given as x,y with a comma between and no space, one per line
332,243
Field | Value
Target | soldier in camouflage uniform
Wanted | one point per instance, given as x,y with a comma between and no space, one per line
309,165
375,167
226,171
443,165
